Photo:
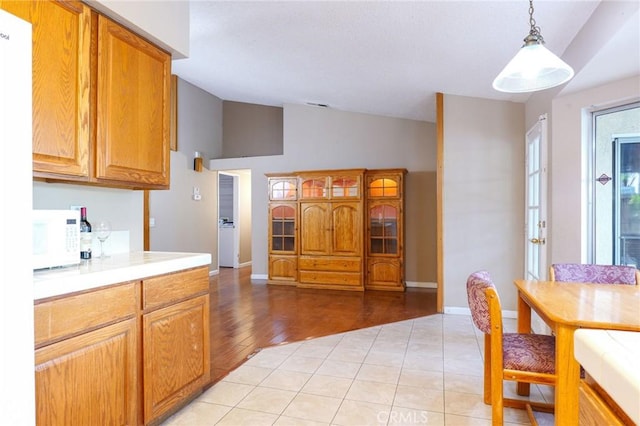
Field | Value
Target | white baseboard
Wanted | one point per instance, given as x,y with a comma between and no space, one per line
259,276
214,272
421,284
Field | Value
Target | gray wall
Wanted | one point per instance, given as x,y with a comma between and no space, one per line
181,223
250,130
483,195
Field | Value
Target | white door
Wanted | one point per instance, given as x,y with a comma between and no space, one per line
536,196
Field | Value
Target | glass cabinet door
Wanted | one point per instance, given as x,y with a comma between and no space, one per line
345,187
283,189
283,228
384,188
383,229
314,187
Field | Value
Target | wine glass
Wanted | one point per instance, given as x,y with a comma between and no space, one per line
102,230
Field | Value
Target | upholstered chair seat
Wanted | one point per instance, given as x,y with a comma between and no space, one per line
529,352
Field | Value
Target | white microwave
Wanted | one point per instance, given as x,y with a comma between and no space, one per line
56,238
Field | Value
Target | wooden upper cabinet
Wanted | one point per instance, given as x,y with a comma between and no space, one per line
101,98
61,34
133,108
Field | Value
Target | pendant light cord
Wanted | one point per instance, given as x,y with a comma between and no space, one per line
534,33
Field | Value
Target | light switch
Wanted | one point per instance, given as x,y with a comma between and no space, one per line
152,222
196,194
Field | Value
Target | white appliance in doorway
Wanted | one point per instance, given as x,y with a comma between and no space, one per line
17,406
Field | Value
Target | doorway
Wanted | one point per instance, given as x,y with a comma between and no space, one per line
615,215
228,223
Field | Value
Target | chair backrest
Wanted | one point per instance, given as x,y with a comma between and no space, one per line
477,285
589,273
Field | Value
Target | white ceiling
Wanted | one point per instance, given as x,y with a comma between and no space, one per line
383,57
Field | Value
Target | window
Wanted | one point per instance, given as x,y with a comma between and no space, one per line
615,169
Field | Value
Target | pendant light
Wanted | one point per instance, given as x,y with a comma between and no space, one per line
534,67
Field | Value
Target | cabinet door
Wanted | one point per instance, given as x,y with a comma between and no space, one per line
384,185
343,187
315,228
90,379
133,106
384,228
283,188
385,274
282,228
175,354
313,187
346,226
283,269
61,34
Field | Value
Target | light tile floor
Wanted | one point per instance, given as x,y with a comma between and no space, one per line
425,371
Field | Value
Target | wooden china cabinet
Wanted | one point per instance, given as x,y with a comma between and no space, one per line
337,229
385,230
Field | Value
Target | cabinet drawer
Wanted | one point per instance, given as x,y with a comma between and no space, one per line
331,278
71,315
337,264
164,289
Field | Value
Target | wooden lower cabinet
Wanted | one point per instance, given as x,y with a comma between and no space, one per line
596,407
90,379
283,269
176,355
126,354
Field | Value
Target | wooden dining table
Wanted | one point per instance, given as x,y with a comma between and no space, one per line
566,307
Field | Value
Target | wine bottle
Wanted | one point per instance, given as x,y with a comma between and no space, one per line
85,235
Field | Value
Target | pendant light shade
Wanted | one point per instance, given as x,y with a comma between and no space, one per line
534,67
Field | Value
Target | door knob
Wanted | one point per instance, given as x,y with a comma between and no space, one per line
537,240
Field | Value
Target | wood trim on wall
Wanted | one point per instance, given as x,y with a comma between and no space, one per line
440,199
145,220
173,114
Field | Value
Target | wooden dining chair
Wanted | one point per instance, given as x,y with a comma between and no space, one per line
597,274
525,358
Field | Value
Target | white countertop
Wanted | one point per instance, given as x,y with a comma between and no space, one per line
611,358
114,269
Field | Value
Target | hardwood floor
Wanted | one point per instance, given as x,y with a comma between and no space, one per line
246,316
